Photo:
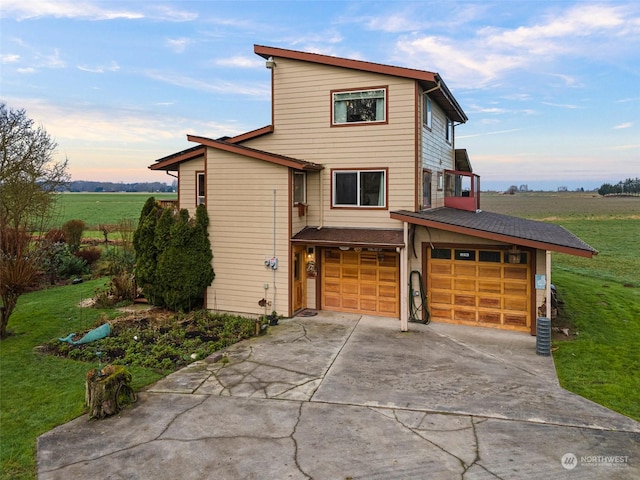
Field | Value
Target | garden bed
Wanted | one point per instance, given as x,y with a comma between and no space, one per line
159,339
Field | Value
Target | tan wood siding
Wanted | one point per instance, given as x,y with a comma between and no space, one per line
302,120
241,232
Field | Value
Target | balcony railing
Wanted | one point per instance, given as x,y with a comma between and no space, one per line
461,190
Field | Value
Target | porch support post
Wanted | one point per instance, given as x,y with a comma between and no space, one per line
404,280
548,286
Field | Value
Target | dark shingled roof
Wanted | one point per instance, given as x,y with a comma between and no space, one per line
351,237
505,228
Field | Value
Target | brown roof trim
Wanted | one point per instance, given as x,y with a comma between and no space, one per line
502,228
429,80
170,162
257,154
463,163
252,134
350,237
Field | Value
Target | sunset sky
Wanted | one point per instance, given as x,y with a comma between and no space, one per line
551,88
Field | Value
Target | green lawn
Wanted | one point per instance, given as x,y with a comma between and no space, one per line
39,392
107,208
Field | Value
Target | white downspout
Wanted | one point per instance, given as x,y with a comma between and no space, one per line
548,285
404,276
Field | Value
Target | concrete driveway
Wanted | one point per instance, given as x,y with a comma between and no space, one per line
340,396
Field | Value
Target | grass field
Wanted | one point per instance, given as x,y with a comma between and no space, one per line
103,208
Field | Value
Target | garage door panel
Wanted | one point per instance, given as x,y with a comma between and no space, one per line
515,273
442,283
440,268
388,276
489,272
360,282
464,284
349,288
465,300
464,270
489,286
489,317
441,297
479,288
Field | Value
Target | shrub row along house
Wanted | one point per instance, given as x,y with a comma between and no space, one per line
354,195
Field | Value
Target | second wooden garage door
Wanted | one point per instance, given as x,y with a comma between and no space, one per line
360,282
479,287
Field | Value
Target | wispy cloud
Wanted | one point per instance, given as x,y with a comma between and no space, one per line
23,10
9,58
240,61
491,52
113,67
210,86
178,45
91,10
561,105
621,126
497,132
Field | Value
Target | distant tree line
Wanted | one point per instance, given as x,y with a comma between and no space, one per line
146,187
630,185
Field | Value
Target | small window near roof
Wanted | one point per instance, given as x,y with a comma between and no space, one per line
359,106
201,189
299,188
449,130
427,111
426,189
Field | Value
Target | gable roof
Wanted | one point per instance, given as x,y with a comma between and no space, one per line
429,80
171,162
499,227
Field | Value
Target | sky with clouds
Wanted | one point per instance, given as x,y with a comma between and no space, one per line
551,88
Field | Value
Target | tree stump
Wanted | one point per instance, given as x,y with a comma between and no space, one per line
101,389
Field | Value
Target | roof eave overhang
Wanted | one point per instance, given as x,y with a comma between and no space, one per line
170,163
429,80
493,235
343,243
253,153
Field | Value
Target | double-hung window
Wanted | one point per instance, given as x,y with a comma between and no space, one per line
200,188
359,106
359,188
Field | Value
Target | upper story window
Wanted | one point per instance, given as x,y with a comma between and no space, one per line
449,130
200,188
359,106
299,188
364,188
426,189
427,108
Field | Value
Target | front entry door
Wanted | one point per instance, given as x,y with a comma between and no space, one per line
299,278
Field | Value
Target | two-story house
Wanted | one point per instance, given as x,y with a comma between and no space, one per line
355,194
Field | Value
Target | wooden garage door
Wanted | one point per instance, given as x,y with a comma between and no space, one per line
479,287
360,282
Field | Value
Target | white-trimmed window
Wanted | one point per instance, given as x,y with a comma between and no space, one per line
359,188
428,111
359,106
449,130
299,187
200,188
